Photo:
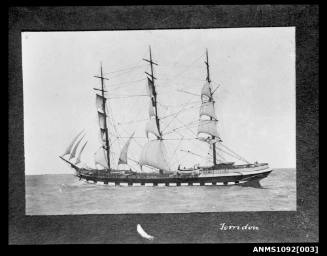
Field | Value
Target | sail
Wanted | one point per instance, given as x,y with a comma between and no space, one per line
150,88
154,154
208,127
102,118
99,101
208,109
151,109
78,159
123,153
69,148
72,154
103,136
151,127
206,90
101,158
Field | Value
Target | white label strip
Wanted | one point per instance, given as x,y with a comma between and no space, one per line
148,184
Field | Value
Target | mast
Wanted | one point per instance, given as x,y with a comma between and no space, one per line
211,100
154,100
153,153
105,115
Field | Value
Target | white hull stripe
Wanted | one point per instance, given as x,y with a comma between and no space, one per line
173,184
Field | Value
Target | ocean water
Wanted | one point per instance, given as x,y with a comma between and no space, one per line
66,194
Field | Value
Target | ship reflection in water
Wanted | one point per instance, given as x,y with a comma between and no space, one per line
66,194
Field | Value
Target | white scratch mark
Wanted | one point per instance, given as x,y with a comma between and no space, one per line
143,233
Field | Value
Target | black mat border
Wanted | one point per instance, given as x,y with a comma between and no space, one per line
299,226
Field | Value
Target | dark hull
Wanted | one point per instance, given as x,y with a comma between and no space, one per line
133,180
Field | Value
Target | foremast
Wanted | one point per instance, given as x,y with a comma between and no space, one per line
102,115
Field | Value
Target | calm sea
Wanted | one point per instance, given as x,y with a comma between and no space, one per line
65,194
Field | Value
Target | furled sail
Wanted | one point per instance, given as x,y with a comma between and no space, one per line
154,154
150,88
101,158
78,159
206,90
208,109
123,153
151,127
69,148
208,127
209,140
151,109
73,153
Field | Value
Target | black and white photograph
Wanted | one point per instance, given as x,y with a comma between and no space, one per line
159,121
163,124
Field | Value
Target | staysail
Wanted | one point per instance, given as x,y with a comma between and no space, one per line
78,159
70,146
123,153
154,154
73,153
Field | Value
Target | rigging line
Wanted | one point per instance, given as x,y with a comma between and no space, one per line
177,112
179,159
240,157
128,96
194,94
133,138
180,105
130,122
231,155
134,81
112,121
188,66
119,70
123,73
173,118
179,128
221,157
190,152
174,155
184,126
187,127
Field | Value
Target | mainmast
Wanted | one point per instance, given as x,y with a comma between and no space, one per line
211,100
153,153
105,128
154,98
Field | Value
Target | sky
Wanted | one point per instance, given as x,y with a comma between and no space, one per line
255,102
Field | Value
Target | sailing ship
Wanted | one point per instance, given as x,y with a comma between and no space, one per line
154,153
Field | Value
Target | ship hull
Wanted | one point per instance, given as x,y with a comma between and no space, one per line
223,179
